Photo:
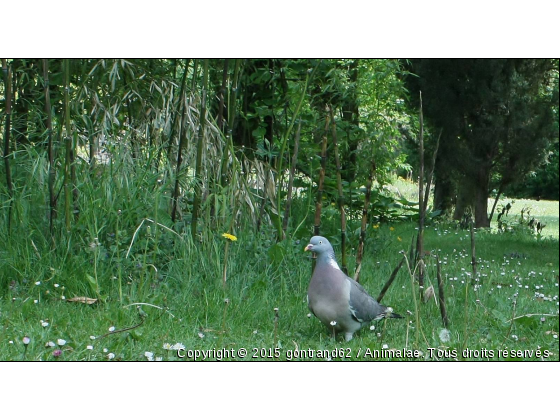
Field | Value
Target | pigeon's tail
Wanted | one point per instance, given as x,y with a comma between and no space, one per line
387,313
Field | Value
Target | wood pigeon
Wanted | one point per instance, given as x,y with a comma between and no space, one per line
337,300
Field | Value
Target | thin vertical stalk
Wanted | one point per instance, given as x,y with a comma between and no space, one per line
195,75
182,141
73,176
199,151
319,197
473,252
416,307
133,143
390,281
421,207
291,182
182,137
7,129
232,99
466,317
224,273
431,174
412,250
340,193
282,151
367,200
50,152
173,115
68,144
441,296
499,193
264,198
119,264
222,95
276,318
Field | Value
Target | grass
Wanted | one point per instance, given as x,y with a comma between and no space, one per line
191,309
157,291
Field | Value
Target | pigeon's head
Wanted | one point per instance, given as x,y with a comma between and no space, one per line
319,245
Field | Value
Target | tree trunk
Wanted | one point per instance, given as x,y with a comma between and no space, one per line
444,188
464,199
443,195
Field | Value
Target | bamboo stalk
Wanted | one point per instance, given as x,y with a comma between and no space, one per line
199,151
173,115
51,170
291,182
68,145
340,194
319,196
195,75
73,176
421,207
281,155
232,99
390,281
130,121
441,296
222,95
7,130
182,140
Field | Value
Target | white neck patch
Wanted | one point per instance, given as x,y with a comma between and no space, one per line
333,263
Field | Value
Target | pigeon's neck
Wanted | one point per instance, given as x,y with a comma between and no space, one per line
328,258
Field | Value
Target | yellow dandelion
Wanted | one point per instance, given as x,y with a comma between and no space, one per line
399,239
230,237
376,226
391,228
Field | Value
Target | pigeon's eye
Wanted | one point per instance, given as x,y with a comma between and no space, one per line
320,242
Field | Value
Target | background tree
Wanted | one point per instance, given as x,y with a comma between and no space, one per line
496,118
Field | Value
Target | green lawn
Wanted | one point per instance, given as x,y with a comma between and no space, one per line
543,210
513,305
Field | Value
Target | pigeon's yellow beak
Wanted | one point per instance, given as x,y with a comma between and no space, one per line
309,247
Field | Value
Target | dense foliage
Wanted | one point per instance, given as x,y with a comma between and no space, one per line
92,149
